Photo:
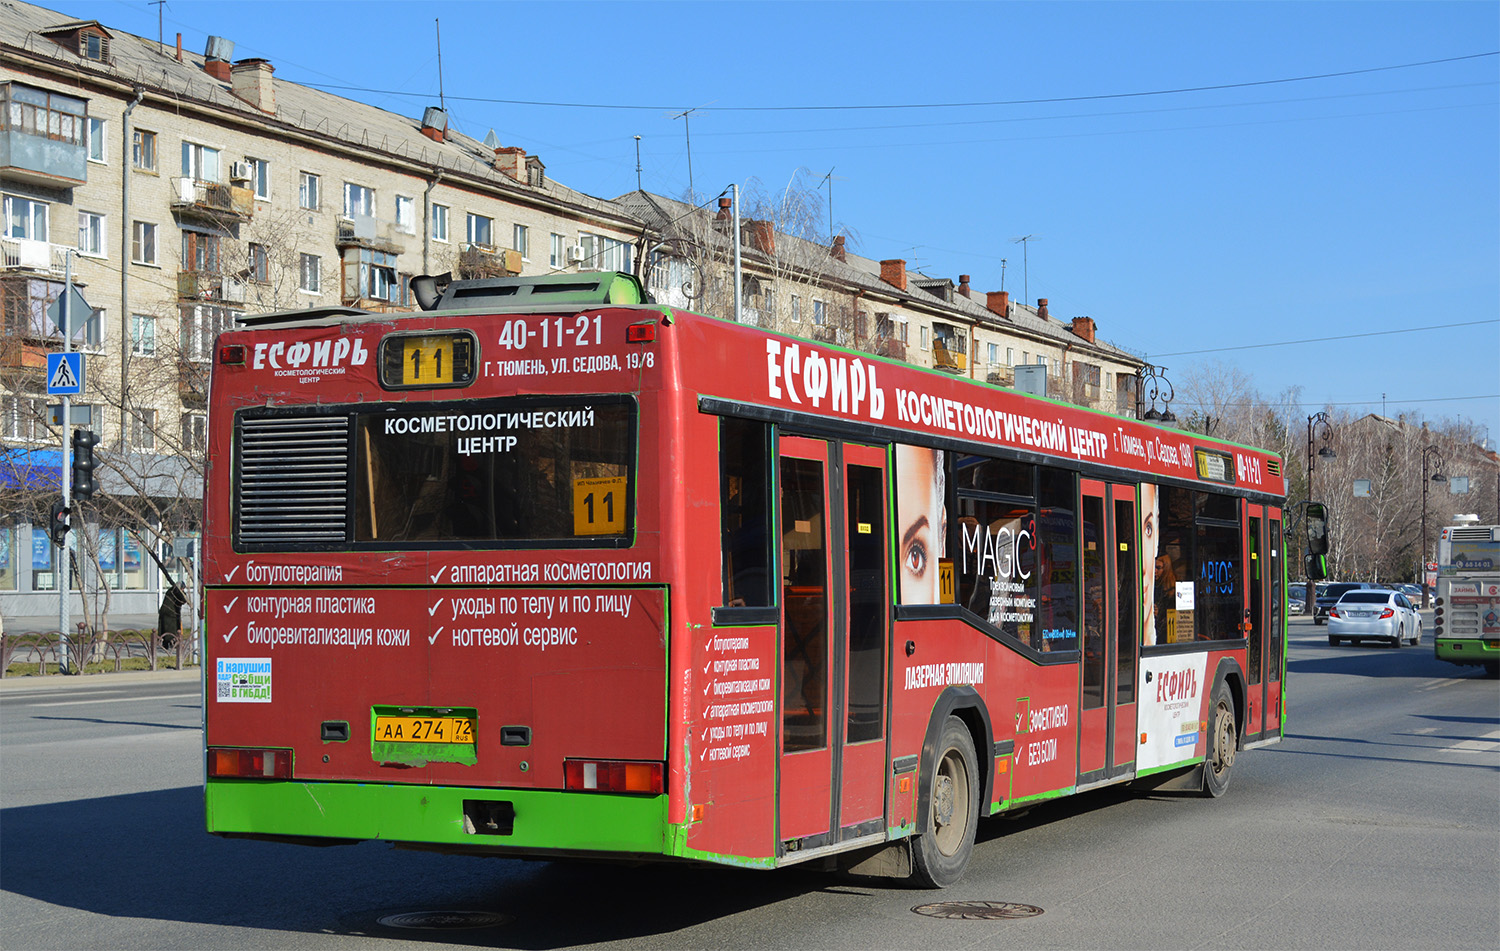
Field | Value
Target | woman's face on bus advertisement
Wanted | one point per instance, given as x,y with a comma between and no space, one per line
919,521
1150,526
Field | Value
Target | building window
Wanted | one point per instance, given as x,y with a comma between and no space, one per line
796,309
923,337
92,46
143,335
24,417
91,233
480,230
601,253
143,150
994,353
93,331
370,274
200,324
309,191
903,330
143,242
558,256
36,112
143,429
406,215
259,264
200,252
260,177
311,274
440,223
518,240
195,432
820,313
1010,356
358,200
25,218
199,162
96,140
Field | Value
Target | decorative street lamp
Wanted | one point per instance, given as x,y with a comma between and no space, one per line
1152,384
1437,476
1313,422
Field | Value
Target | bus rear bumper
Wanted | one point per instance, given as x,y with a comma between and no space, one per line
1467,650
445,818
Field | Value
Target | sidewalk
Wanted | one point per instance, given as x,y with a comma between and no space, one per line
123,679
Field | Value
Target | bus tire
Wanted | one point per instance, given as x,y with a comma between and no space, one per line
1223,742
941,852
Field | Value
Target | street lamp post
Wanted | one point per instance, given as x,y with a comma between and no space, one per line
1310,605
1430,451
1152,385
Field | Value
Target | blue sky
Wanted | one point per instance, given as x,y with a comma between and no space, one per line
1202,220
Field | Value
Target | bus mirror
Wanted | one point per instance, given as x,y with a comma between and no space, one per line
1317,528
1316,567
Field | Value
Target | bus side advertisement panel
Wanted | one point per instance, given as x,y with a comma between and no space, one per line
1173,709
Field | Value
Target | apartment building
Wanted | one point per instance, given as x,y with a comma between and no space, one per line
830,294
183,189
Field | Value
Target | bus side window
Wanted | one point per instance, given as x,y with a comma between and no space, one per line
745,512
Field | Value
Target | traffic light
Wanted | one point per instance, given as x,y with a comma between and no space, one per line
84,442
57,528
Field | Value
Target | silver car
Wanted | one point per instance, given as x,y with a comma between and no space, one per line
1374,615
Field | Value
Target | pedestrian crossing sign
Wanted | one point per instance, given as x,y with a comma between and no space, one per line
64,374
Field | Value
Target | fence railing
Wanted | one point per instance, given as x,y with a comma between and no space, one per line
97,651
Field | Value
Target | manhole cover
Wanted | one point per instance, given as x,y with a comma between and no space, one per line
978,910
444,920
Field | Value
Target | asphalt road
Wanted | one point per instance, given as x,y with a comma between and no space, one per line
1374,825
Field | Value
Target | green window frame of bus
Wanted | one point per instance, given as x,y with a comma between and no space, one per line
745,513
1202,536
542,492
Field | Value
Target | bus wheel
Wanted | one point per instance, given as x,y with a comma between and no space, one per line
941,852
1223,739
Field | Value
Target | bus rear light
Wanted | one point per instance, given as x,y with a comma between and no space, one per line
224,763
232,355
644,332
616,776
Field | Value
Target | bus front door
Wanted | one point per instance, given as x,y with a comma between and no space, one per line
832,660
1111,631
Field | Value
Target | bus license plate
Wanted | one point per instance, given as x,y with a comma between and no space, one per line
424,730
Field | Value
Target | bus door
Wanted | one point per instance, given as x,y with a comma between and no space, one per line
832,659
1111,631
1262,620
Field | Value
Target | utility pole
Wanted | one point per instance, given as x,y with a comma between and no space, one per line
637,163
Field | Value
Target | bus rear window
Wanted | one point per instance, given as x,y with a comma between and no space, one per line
495,471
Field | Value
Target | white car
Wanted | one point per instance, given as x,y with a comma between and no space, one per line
1374,615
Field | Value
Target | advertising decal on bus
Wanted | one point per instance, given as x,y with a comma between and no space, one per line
1171,692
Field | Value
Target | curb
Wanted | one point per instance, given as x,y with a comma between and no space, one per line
89,681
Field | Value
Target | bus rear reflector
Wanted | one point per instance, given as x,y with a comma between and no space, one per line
232,355
616,776
249,764
644,332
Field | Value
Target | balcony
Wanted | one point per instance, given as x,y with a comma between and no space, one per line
42,137
192,381
365,231
18,354
37,257
210,285
478,261
949,355
221,204
884,347
376,305
1001,375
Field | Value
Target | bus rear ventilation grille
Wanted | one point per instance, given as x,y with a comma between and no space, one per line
1273,466
293,480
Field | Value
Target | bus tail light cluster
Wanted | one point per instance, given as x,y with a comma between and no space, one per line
643,332
232,355
616,776
224,763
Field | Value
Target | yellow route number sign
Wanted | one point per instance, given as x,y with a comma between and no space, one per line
599,506
427,361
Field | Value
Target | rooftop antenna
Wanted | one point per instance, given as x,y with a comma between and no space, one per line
159,4
637,163
688,132
1002,275
437,28
1025,263
829,179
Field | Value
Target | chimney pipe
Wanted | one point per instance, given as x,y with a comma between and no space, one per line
838,247
963,285
250,80
998,302
179,47
893,272
435,123
1041,307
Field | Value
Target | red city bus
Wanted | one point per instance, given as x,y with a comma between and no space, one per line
549,571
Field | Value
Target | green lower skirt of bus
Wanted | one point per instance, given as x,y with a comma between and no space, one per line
1468,650
532,820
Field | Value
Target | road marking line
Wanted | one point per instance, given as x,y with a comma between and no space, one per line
1488,743
74,703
